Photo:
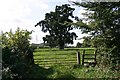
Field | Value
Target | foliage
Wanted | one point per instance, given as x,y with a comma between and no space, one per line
104,26
67,72
57,24
16,54
78,45
50,41
34,46
86,42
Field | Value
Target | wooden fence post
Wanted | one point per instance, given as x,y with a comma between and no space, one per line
95,56
83,57
78,58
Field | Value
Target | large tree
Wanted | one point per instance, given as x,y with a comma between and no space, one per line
104,26
56,23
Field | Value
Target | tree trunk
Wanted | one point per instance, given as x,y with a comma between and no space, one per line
61,44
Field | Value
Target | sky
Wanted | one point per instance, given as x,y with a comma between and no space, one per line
26,13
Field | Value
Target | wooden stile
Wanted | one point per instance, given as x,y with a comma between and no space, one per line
83,57
78,58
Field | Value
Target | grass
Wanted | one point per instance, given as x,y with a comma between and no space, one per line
72,72
50,57
63,64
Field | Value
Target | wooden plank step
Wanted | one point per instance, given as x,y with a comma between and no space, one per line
89,54
89,62
89,58
86,62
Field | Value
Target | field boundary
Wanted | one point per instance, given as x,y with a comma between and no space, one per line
63,57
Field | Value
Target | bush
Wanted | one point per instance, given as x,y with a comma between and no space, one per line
17,54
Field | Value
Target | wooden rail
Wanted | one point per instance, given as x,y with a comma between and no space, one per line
84,58
88,58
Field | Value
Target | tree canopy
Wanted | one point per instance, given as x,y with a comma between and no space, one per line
57,24
104,26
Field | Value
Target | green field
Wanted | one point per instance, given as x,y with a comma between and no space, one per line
51,57
55,63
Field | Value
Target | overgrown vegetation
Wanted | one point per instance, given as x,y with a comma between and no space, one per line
104,27
69,71
17,56
104,30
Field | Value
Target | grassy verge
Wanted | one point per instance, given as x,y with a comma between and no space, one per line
53,58
72,72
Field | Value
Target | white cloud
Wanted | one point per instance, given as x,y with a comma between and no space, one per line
80,13
21,13
39,3
24,14
72,0
14,11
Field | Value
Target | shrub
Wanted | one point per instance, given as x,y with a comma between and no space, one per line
17,54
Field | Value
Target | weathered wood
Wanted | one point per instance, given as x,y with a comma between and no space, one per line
78,58
90,54
95,55
83,57
89,57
